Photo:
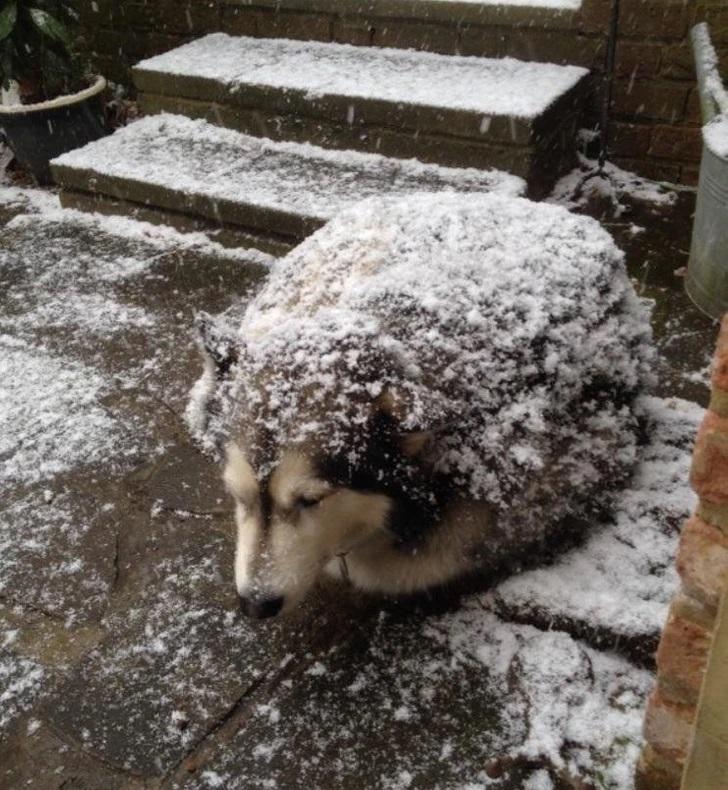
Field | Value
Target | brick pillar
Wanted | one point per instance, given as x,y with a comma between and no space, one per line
702,563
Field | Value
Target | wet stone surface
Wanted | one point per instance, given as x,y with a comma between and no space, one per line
123,660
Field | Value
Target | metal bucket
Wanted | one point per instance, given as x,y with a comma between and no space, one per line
707,279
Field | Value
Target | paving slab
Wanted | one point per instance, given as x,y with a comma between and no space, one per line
438,701
176,660
285,189
131,667
96,355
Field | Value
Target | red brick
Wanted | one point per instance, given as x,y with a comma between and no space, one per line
239,21
719,377
677,61
416,35
636,59
702,561
716,15
650,100
630,139
668,727
292,24
689,176
660,18
709,472
655,772
594,16
356,31
682,658
693,113
677,142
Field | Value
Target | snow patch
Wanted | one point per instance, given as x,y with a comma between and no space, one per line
52,419
622,580
575,189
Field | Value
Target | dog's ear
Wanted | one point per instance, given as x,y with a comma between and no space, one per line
218,347
417,444
393,406
390,403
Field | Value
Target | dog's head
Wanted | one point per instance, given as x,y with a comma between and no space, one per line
300,498
290,524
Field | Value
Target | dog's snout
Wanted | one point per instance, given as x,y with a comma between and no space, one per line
260,608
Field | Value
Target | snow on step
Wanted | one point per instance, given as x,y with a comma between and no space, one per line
287,188
484,86
570,5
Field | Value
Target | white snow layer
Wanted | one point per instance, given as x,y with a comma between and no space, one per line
491,87
715,135
508,329
21,680
622,579
51,420
564,5
198,158
582,709
575,189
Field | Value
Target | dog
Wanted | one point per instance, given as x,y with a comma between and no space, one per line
425,388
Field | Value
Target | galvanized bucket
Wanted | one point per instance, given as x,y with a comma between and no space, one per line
707,279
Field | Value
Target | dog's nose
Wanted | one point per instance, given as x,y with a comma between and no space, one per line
260,607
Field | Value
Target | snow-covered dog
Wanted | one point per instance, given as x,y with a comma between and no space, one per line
424,388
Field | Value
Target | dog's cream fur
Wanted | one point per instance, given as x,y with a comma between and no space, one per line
285,556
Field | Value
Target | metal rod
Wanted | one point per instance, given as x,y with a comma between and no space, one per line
608,81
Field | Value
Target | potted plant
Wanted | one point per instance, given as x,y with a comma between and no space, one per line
48,104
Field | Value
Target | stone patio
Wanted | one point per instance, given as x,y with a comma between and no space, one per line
123,660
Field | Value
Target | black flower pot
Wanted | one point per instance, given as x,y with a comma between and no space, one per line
38,133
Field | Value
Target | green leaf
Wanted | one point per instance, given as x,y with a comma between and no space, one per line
50,26
8,18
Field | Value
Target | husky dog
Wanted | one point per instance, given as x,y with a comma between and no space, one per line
424,388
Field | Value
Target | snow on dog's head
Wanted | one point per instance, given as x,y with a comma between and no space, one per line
420,351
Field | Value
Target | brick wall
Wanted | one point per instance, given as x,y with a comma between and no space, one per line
655,114
702,563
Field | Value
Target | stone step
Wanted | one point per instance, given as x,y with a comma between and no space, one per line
458,111
552,31
193,174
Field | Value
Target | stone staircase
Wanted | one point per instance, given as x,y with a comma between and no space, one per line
310,126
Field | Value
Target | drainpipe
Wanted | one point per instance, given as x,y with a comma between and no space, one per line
608,81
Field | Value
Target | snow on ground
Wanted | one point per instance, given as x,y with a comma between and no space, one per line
434,697
50,535
575,189
582,709
20,680
29,200
52,420
622,579
85,348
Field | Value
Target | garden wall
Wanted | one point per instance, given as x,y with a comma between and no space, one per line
695,624
655,114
